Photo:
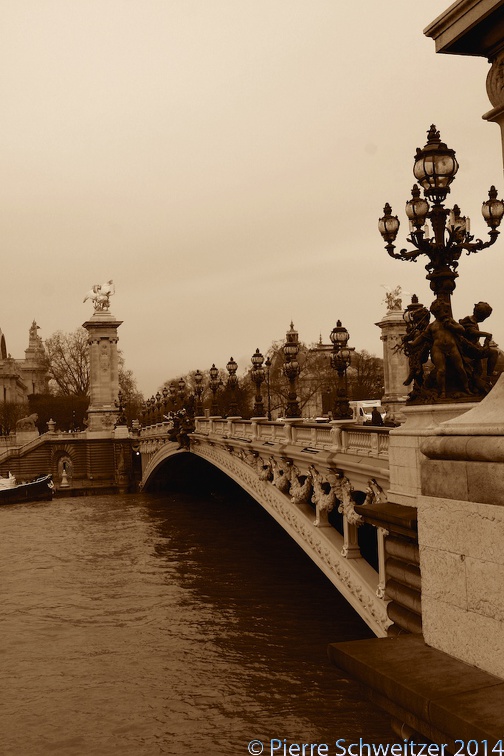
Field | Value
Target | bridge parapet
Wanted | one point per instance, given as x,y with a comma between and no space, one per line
365,440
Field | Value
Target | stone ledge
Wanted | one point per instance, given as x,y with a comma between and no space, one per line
437,694
395,518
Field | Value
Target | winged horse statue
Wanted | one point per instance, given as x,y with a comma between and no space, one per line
100,295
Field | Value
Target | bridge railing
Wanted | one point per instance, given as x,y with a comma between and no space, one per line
353,439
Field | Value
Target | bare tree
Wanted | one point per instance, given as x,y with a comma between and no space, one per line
365,376
68,355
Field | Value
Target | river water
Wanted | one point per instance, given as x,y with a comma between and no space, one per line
167,624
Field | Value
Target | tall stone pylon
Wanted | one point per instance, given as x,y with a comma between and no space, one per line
103,361
395,363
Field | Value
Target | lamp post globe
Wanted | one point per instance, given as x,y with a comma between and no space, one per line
435,166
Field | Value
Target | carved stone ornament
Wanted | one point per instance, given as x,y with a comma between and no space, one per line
374,493
323,497
281,475
300,490
495,81
343,489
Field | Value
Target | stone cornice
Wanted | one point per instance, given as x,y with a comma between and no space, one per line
469,27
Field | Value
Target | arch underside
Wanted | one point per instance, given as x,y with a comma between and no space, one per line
354,578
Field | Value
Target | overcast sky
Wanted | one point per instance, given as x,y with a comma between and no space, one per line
226,162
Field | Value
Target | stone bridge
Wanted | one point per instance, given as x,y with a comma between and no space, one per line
309,477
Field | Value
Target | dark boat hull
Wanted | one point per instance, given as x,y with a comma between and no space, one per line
38,490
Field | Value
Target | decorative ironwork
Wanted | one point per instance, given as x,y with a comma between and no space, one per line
232,385
291,370
214,384
462,367
258,375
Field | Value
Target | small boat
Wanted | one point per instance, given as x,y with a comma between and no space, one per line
11,492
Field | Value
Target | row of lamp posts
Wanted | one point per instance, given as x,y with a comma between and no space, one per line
173,396
434,168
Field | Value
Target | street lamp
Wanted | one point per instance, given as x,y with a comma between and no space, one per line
147,411
267,365
181,391
172,390
121,417
165,393
198,390
214,384
232,384
340,361
257,375
455,352
435,168
291,370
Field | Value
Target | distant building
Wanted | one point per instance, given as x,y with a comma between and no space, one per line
20,378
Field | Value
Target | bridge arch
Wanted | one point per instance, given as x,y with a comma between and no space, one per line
355,579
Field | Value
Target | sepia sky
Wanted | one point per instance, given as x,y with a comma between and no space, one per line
226,162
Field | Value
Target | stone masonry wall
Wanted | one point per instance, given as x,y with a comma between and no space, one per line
462,557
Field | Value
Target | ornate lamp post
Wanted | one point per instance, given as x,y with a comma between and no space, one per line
214,384
267,365
198,390
340,360
181,391
158,406
152,408
172,392
291,370
435,168
458,364
121,417
257,375
147,411
165,393
232,384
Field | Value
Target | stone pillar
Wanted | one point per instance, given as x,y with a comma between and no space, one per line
395,362
476,28
104,372
461,534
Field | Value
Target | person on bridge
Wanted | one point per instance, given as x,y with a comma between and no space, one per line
376,417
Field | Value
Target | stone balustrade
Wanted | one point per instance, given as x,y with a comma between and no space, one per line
363,440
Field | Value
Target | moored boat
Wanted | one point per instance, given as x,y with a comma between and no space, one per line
11,492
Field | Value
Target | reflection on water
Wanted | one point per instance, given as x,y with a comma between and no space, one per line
167,623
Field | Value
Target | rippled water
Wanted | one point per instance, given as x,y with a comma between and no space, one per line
152,624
